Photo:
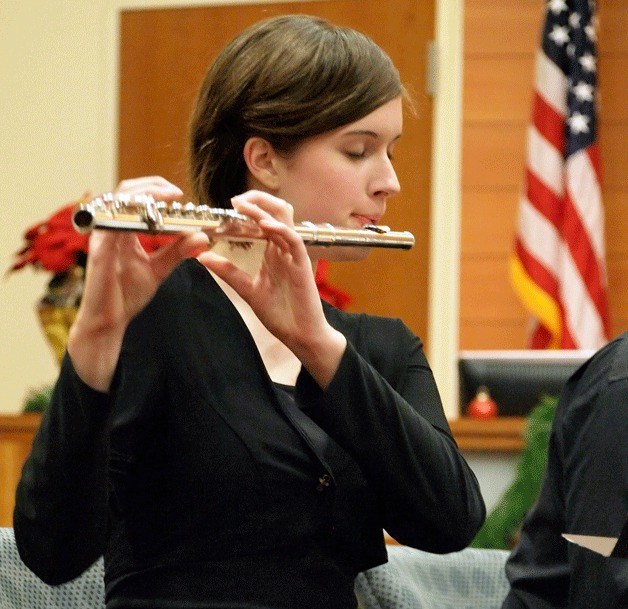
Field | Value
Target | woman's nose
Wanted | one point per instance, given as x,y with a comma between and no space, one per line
386,182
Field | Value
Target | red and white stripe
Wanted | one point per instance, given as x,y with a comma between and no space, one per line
559,248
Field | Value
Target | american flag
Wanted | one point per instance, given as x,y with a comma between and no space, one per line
558,265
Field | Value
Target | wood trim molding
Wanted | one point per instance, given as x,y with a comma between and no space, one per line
445,210
502,434
19,423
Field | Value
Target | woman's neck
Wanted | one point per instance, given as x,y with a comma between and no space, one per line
281,364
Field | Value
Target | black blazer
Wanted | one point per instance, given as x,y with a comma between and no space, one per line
204,459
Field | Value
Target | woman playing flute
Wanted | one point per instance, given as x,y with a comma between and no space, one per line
223,437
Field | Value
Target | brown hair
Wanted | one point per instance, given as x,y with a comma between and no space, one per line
284,79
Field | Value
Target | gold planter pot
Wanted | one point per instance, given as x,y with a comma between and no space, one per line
56,322
57,309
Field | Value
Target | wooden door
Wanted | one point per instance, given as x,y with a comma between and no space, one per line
164,54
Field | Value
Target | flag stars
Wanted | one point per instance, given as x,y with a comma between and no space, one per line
559,34
578,123
583,91
557,6
588,62
574,20
589,30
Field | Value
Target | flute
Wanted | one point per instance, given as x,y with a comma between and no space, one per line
142,214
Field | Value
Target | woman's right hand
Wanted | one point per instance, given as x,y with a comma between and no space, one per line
121,279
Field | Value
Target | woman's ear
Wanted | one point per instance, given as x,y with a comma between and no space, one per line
260,158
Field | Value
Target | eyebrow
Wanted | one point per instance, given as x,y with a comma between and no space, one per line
368,133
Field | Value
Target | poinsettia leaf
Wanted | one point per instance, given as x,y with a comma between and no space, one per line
150,243
57,260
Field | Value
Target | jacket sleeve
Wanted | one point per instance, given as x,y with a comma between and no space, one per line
584,492
538,568
394,426
60,508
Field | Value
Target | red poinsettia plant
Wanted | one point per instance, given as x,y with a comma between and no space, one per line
55,246
52,245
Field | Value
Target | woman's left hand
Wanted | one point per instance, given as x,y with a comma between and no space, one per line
283,293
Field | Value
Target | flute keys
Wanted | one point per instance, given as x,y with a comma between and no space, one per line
203,212
153,216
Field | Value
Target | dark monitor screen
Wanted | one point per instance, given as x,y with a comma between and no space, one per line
516,380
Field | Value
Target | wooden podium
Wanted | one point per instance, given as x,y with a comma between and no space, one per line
16,437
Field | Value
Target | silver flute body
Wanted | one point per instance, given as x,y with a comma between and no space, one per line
143,214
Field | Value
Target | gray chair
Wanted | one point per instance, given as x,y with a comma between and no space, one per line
471,579
21,589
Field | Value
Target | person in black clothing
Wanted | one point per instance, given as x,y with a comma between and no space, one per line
223,437
585,491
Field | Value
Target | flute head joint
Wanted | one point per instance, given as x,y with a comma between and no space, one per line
376,228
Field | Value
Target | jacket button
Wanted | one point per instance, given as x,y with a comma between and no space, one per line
323,482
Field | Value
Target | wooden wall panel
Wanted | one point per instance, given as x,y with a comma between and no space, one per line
617,270
613,93
493,155
164,54
489,212
495,28
613,138
505,86
504,334
616,208
485,297
501,41
614,25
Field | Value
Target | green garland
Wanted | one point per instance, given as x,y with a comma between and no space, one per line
37,400
501,528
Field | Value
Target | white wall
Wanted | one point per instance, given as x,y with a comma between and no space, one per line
495,473
53,60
